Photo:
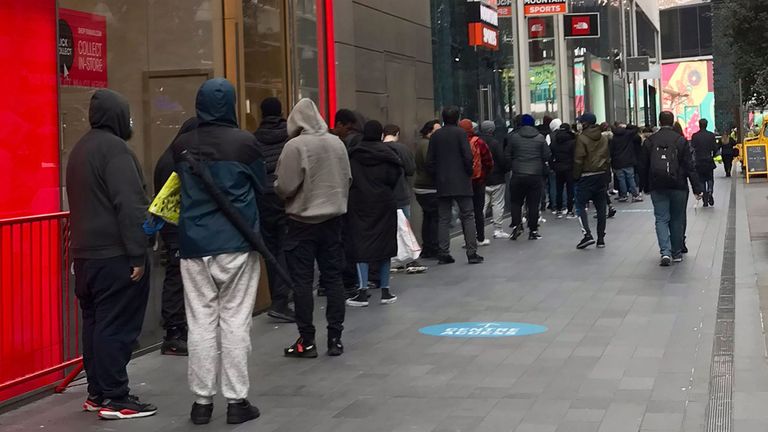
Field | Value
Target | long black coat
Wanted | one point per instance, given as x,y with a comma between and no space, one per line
449,160
372,211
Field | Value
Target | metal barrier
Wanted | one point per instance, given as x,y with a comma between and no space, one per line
39,315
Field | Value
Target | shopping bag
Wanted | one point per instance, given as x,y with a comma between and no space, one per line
167,203
408,249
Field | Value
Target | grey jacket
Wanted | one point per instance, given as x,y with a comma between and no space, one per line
527,151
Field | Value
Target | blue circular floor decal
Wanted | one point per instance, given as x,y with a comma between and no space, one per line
482,329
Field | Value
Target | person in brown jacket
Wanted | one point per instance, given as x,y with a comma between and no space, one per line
592,166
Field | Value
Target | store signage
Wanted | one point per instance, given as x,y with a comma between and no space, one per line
538,29
82,49
482,35
482,329
586,25
545,7
478,12
505,8
638,64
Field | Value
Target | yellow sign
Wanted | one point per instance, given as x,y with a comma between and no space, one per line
754,153
167,203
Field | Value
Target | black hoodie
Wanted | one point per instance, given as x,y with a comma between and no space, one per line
272,135
105,186
563,146
623,146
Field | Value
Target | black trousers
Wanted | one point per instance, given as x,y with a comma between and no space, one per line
707,177
273,227
478,202
305,244
565,179
113,308
528,189
593,188
429,224
172,298
727,164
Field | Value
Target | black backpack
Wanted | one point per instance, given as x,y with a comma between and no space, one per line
664,168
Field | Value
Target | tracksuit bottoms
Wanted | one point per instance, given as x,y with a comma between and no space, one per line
220,294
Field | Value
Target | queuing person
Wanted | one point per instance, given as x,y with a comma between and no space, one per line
623,161
108,204
592,167
527,152
449,160
172,298
372,213
219,267
272,135
670,167
426,193
482,165
728,152
496,181
313,178
704,145
348,127
550,175
563,147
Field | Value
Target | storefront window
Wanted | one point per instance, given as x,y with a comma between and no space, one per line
543,67
309,73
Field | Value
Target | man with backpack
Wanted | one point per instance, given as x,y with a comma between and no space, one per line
669,167
482,165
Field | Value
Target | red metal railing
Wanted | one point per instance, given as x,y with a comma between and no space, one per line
39,316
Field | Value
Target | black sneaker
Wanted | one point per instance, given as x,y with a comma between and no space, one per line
475,259
611,212
285,314
360,300
201,414
301,350
241,412
685,249
93,403
387,297
534,235
517,232
321,292
586,242
350,292
126,408
711,200
335,347
174,347
666,261
445,259
601,243
677,259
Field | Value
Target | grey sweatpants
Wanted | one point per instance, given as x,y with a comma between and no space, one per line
220,293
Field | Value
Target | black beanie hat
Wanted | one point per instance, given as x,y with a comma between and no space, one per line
372,131
271,107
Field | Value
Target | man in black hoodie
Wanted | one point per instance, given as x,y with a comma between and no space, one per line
108,206
704,144
272,135
563,145
625,140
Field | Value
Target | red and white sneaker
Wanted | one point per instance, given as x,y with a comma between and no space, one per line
93,403
126,408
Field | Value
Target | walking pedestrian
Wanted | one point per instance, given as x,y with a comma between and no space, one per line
528,153
372,214
482,165
496,181
670,167
622,147
172,299
728,152
108,204
449,160
219,267
592,168
272,135
563,147
426,193
313,178
704,145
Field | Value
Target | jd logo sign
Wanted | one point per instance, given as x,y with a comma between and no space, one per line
482,329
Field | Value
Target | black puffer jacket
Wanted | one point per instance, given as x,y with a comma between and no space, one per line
527,151
622,147
272,135
563,145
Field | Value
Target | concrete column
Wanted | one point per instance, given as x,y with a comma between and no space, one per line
563,83
523,58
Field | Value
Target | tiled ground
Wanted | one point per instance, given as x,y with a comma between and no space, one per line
628,348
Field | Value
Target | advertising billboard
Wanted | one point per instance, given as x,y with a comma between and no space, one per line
688,92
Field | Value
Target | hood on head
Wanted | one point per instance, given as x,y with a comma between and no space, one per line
593,132
371,153
216,102
306,119
488,127
555,124
110,110
466,124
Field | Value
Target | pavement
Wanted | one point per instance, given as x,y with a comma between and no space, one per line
628,345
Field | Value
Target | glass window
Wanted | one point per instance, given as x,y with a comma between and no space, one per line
689,32
670,31
705,29
309,71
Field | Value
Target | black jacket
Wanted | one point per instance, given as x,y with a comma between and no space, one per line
500,166
728,149
372,212
622,147
527,151
105,186
562,147
236,165
449,160
666,136
704,144
272,135
403,190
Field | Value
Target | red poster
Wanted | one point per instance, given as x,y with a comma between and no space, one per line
581,26
537,28
82,49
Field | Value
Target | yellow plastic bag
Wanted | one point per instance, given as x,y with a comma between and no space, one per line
167,203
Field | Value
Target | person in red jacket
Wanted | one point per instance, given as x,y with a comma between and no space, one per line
482,165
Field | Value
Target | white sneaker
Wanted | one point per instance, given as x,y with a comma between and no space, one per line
501,235
485,242
542,220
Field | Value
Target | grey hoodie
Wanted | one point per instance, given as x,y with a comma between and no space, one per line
313,173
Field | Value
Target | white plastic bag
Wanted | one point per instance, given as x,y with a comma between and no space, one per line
408,248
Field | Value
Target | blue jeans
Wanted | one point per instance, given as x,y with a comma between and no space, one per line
669,206
362,273
625,177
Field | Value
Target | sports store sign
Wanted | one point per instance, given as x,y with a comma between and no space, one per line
483,24
545,7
